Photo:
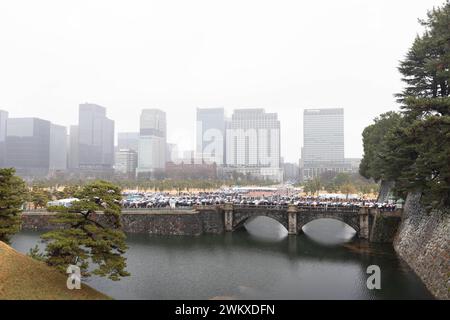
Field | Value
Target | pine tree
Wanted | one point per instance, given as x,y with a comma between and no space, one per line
85,240
12,198
413,148
422,149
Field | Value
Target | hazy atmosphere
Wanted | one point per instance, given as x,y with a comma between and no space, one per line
283,56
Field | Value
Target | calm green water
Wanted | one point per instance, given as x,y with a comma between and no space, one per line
259,262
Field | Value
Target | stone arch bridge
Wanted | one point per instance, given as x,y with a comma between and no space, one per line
368,223
371,224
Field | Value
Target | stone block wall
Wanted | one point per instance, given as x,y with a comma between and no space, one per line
423,241
384,226
161,223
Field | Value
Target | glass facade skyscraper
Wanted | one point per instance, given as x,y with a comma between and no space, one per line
95,138
28,146
58,148
210,144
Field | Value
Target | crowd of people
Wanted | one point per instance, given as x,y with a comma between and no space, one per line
164,200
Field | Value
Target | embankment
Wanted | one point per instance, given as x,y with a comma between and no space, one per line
23,278
155,222
423,241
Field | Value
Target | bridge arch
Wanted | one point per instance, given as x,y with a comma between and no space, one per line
240,218
350,220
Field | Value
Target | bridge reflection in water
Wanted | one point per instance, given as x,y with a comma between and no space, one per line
323,231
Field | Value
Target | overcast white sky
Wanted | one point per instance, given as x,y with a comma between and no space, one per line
177,55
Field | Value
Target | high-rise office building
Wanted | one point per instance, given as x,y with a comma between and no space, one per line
171,152
210,144
323,135
323,142
253,144
152,142
95,138
3,122
126,162
128,140
28,146
73,154
58,148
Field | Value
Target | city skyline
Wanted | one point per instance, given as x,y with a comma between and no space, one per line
127,139
247,143
258,62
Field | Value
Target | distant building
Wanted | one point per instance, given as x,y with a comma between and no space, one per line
354,164
211,134
152,142
3,122
73,152
126,162
291,172
190,156
191,165
58,148
171,152
28,146
96,138
323,135
128,140
323,142
253,144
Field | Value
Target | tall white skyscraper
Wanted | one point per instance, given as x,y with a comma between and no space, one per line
253,144
323,135
152,142
323,142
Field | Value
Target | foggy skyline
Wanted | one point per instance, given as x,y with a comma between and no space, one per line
282,56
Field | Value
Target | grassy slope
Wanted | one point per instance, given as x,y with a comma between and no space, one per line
23,278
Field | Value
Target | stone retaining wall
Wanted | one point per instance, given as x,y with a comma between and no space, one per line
384,226
423,241
173,222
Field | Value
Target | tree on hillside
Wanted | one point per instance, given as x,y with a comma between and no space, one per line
12,198
87,240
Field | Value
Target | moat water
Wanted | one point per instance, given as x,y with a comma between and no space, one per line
258,262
